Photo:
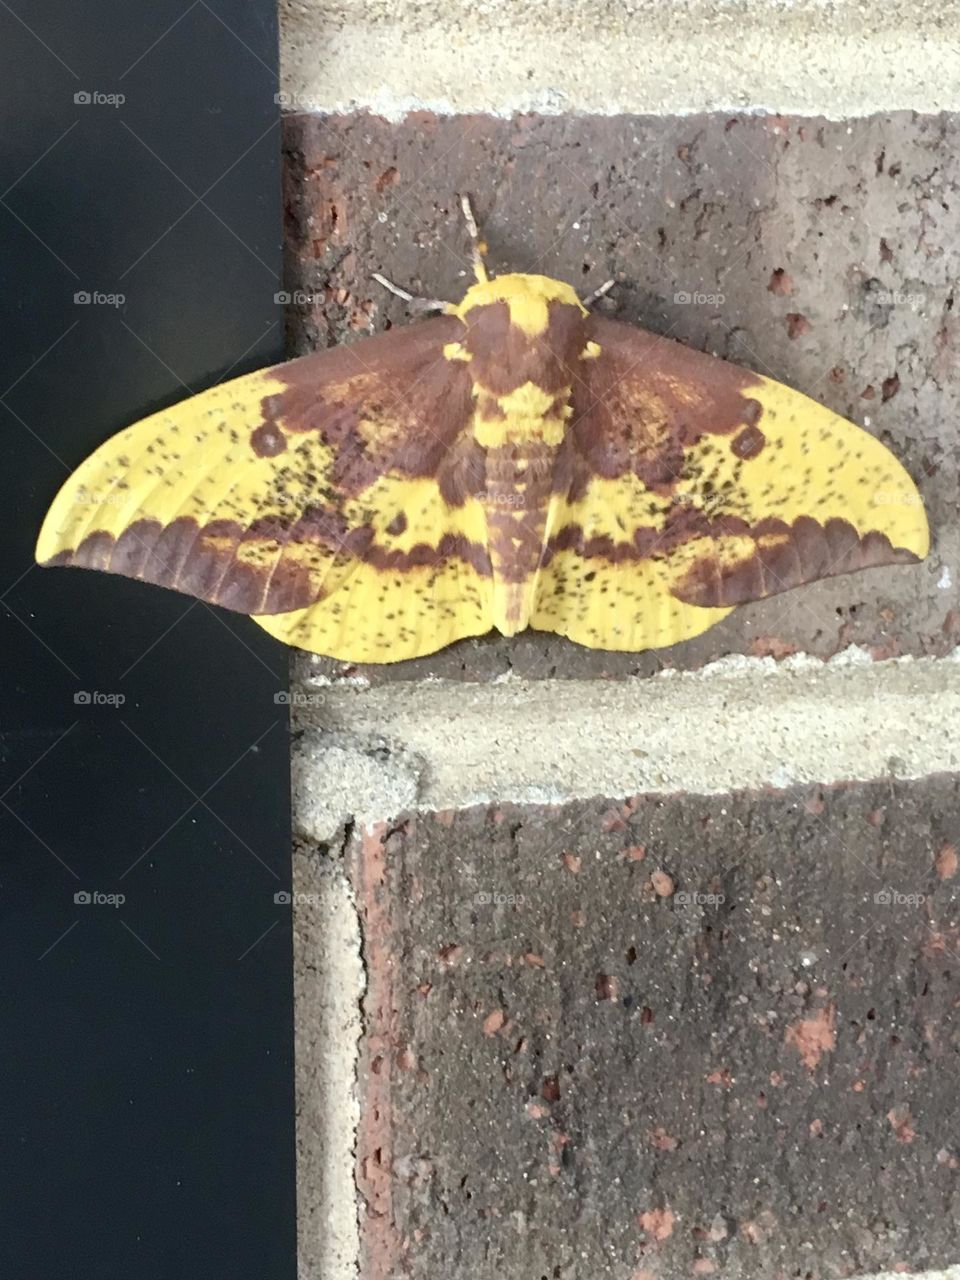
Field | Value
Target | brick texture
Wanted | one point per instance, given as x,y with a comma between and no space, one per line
824,252
663,1037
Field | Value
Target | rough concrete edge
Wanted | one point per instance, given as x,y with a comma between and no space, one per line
793,64
732,664
951,1273
806,722
379,777
329,985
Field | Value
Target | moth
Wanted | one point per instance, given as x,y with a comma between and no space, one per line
513,461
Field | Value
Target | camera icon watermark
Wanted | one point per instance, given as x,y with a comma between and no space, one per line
499,499
97,298
284,898
96,898
108,498
891,898
296,698
96,98
695,298
297,298
95,698
689,898
297,101
896,498
706,502
897,298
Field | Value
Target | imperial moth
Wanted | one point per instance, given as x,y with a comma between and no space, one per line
514,461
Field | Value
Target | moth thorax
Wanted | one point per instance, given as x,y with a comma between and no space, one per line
527,299
526,415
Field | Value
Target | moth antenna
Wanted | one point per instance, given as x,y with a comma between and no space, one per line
415,303
393,288
478,246
597,294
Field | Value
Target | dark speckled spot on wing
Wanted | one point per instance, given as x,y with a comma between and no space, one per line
749,442
267,440
391,403
263,495
645,400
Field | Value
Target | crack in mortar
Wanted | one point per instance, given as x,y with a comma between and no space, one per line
380,1055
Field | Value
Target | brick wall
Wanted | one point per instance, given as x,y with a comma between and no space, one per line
642,965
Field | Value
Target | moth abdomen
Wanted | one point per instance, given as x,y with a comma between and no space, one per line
517,503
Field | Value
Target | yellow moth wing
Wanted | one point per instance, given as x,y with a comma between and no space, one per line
514,462
269,493
698,486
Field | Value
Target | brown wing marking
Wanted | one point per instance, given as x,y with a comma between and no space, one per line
695,486
264,494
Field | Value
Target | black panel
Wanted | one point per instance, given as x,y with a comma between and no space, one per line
147,1079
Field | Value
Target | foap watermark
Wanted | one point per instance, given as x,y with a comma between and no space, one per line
686,298
893,898
285,898
494,899
708,503
97,298
294,698
499,499
297,298
97,898
298,101
97,698
105,498
97,98
897,298
691,898
897,498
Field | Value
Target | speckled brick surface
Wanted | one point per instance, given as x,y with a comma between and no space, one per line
823,254
663,1037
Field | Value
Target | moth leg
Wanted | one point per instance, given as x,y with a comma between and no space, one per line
415,304
478,246
597,294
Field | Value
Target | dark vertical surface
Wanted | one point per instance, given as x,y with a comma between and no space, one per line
146,990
